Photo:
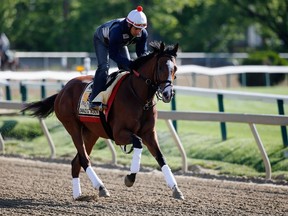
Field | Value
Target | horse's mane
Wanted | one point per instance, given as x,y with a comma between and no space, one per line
156,46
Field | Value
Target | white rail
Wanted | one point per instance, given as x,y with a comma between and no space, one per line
226,117
182,69
185,116
18,106
236,95
188,69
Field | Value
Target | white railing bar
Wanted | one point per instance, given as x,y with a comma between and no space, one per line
51,54
251,119
224,117
229,94
225,70
180,55
11,105
240,118
2,144
45,83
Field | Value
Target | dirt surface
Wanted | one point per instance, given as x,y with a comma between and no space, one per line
34,187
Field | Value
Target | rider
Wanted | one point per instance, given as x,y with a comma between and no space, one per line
4,46
111,40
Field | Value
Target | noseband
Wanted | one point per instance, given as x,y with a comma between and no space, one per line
154,85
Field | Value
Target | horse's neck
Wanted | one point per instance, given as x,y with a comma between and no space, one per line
141,88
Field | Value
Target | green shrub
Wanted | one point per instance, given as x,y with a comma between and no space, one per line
100,145
260,79
20,130
264,58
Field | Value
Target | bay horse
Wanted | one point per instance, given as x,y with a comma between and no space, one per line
132,116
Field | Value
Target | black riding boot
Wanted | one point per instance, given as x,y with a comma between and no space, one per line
99,83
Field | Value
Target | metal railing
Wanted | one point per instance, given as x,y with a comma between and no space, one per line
168,116
279,100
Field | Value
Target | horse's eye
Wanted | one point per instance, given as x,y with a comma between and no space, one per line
175,77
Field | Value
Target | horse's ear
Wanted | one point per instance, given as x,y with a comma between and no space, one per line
162,46
176,48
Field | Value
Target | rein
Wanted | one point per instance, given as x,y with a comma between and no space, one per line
149,103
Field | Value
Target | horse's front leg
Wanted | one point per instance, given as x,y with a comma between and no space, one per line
150,140
136,159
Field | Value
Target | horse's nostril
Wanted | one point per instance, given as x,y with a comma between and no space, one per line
165,94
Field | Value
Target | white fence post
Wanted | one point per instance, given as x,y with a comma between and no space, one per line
112,149
2,145
179,145
47,134
262,151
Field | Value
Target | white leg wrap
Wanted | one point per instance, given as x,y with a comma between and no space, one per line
135,163
76,188
169,177
93,177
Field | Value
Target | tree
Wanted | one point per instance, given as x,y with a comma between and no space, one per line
208,26
221,25
197,25
271,15
56,25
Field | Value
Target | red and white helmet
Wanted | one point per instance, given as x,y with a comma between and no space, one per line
137,18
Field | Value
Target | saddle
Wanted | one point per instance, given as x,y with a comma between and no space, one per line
106,97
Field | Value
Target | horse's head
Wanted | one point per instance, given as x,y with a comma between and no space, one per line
158,70
165,70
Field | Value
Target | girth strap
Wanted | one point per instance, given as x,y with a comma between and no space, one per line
106,126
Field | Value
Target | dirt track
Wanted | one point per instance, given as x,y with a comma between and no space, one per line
30,187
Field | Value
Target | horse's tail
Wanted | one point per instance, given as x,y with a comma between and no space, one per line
42,108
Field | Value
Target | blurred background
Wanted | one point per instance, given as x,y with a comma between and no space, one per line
57,35
212,33
198,25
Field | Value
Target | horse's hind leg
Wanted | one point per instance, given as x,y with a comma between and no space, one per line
84,143
90,140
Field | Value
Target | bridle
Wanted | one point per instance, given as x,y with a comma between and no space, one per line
168,82
154,85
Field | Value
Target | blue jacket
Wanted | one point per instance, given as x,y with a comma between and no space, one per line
116,34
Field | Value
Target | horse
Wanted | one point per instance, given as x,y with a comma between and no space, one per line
132,116
10,62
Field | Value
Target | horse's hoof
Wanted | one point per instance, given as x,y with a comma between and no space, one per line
130,179
177,194
86,198
79,198
103,192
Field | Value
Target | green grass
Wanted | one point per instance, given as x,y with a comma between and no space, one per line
238,155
